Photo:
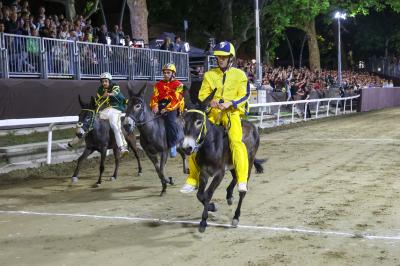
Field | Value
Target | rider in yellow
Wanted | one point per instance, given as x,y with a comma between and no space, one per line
229,104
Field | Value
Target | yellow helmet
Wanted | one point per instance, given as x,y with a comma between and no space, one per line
224,49
169,66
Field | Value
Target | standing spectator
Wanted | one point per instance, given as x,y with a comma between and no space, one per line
167,44
114,35
42,12
178,45
12,24
102,34
2,27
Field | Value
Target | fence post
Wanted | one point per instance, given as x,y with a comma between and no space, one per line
77,62
153,66
131,71
104,62
45,63
187,67
4,58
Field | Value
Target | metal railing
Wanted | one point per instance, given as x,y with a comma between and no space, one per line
384,65
26,56
52,121
337,101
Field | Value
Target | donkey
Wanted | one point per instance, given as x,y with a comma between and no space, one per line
152,135
214,156
99,137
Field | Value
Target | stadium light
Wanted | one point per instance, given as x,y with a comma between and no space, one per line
339,16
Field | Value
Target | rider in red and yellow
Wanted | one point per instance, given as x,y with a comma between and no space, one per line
168,99
229,104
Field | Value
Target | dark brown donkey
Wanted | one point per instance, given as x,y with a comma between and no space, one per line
99,137
213,156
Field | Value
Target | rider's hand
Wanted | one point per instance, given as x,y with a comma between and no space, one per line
155,109
225,105
163,111
214,103
105,95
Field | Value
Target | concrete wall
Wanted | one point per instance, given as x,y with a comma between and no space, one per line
379,98
34,98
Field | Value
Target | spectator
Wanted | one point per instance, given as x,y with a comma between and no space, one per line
42,12
114,36
12,25
178,45
2,27
103,34
167,44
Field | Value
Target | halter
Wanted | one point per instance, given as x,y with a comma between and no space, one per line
203,126
80,124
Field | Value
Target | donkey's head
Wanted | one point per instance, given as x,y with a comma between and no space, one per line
135,112
195,129
86,117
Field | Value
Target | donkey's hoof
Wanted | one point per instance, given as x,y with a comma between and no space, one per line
171,181
235,222
202,229
212,207
96,185
112,179
140,173
74,179
229,201
163,193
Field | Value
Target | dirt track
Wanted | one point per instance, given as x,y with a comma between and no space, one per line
339,176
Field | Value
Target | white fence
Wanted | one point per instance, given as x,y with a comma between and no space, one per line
52,121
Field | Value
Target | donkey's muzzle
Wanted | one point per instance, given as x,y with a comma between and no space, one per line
188,145
188,150
129,124
80,133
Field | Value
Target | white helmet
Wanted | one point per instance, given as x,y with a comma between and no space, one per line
106,75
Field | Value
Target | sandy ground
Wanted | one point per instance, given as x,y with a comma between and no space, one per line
339,176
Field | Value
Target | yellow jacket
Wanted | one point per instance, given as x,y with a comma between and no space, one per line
232,85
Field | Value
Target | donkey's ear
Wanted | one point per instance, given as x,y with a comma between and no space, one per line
130,90
190,105
204,104
80,101
92,102
142,90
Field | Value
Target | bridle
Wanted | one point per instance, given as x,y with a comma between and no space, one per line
80,124
203,130
142,117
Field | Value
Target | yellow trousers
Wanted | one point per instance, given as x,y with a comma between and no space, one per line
231,121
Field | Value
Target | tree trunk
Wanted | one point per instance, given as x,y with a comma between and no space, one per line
121,17
70,11
313,49
94,10
290,49
226,32
103,14
138,17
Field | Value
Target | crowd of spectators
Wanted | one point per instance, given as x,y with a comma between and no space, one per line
295,81
18,18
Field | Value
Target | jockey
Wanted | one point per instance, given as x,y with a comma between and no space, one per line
110,103
229,104
168,99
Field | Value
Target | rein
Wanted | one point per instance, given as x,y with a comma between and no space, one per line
145,122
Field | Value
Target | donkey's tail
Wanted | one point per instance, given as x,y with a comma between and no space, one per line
258,165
